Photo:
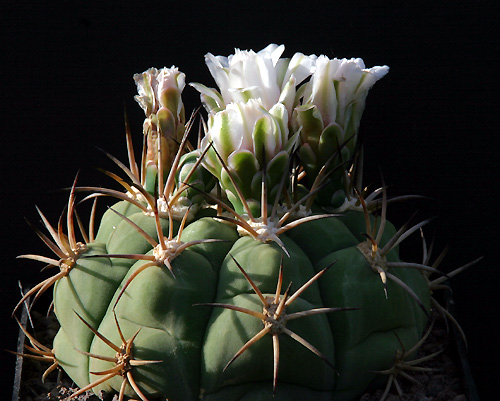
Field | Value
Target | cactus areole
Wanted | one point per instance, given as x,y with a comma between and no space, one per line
251,265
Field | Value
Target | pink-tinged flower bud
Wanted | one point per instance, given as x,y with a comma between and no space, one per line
160,97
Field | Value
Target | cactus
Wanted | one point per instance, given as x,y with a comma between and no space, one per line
251,266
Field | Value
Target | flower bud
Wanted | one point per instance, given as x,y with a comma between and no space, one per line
160,98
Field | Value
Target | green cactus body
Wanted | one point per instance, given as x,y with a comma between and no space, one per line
195,342
221,274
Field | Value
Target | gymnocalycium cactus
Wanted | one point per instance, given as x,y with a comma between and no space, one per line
250,266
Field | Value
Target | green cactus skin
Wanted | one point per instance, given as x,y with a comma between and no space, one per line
221,278
195,342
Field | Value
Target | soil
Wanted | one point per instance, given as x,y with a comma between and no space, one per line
444,383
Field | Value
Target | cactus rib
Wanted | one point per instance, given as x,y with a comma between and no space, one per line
123,360
274,317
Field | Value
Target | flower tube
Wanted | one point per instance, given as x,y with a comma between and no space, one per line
244,139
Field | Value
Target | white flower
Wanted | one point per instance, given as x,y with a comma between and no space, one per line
331,106
160,97
249,75
338,88
161,88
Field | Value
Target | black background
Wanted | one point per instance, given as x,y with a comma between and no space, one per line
430,125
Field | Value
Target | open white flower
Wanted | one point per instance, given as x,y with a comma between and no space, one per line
331,108
249,75
325,111
340,85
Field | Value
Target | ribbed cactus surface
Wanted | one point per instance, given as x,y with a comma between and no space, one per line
323,356
252,265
